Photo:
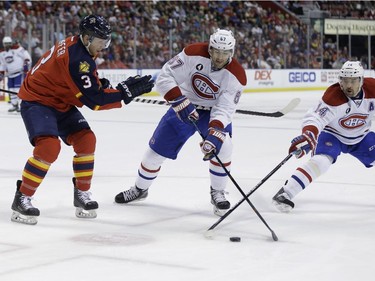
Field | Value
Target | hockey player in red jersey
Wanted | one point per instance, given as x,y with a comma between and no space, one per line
203,84
63,79
340,123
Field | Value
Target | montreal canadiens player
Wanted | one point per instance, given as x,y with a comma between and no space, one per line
203,84
340,123
15,62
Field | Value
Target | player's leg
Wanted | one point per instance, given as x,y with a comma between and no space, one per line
219,177
83,140
326,153
365,150
166,142
43,136
147,172
14,85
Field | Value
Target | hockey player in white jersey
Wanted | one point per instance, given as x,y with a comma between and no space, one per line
340,123
203,84
15,61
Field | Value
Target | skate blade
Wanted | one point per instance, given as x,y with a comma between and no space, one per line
85,214
219,212
283,208
17,217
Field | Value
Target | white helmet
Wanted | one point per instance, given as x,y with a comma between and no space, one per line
222,39
7,40
352,69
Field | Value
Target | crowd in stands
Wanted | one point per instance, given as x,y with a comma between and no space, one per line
148,33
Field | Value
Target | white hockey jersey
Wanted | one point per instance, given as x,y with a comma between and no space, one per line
346,119
13,60
190,74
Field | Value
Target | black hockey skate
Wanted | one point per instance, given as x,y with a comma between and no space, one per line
23,210
282,201
85,207
131,195
14,108
220,203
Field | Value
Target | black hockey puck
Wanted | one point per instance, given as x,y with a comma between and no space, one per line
235,239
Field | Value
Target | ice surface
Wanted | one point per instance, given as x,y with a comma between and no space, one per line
328,236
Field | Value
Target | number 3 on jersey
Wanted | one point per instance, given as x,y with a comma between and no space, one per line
60,51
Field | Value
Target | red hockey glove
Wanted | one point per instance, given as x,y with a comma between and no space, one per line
184,109
212,143
302,144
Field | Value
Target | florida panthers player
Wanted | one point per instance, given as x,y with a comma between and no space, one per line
340,123
203,84
15,61
64,79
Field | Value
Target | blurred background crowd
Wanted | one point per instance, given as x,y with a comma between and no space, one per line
270,34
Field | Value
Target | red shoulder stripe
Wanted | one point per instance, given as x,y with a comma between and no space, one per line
237,70
197,49
369,88
334,96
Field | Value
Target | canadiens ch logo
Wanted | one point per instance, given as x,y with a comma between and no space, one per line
84,67
353,121
204,87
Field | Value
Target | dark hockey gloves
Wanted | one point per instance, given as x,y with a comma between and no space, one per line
302,144
184,109
135,86
212,143
105,84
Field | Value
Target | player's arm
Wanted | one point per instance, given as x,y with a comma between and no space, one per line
95,96
2,68
315,120
220,117
171,76
229,97
27,62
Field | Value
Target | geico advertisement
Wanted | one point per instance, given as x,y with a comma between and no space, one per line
257,79
289,78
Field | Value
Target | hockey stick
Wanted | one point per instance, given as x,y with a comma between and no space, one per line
274,237
9,92
289,107
209,232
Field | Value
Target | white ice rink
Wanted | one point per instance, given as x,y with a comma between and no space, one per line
329,236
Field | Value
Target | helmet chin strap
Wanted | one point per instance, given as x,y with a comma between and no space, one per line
86,46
